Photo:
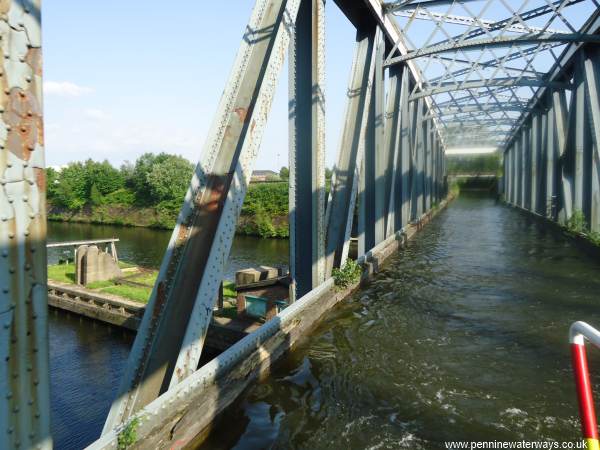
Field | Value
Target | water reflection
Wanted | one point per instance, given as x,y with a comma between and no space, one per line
146,247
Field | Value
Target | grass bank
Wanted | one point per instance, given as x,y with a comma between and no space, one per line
136,283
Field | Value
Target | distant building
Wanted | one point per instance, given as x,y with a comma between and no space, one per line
260,176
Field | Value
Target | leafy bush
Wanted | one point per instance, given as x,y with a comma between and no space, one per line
284,173
349,274
166,214
577,223
594,237
105,177
128,436
271,197
170,178
122,196
473,164
70,187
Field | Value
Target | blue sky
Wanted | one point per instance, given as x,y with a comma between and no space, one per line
124,78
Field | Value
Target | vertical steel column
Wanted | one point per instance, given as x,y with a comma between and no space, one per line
171,336
535,156
372,201
542,158
434,168
361,195
509,174
307,149
577,134
392,148
513,171
419,157
382,154
592,78
427,165
414,172
550,161
344,184
566,184
526,172
24,410
521,168
405,150
506,171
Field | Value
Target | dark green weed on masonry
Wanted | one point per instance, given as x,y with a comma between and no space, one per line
578,225
347,275
128,436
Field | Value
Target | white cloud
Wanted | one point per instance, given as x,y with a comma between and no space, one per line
65,89
96,114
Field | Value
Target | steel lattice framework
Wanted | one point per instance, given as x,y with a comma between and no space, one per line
477,56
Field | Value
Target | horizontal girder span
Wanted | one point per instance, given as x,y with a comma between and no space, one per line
497,82
499,41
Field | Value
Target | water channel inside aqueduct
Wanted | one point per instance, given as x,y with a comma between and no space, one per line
461,337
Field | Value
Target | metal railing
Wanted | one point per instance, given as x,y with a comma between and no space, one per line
578,333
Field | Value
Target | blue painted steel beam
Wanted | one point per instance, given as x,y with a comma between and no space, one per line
307,149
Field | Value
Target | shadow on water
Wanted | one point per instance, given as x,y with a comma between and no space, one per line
463,336
86,364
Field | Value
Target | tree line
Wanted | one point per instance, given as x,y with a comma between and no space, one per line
149,192
151,180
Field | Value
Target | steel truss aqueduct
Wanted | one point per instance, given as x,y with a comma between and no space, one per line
521,77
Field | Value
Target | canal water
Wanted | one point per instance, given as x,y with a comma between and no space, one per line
87,358
463,336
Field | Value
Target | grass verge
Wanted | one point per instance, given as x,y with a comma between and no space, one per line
65,273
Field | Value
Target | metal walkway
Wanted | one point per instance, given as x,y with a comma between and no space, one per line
428,76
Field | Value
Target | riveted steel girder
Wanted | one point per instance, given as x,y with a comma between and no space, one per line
411,4
496,82
499,41
483,24
171,336
516,23
24,374
592,80
307,149
345,180
457,109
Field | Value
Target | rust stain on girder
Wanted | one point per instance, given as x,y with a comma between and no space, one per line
178,288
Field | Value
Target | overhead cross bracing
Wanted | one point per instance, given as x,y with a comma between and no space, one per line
479,56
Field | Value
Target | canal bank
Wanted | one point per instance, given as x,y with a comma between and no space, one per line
463,336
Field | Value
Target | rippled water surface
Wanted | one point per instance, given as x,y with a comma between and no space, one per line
463,336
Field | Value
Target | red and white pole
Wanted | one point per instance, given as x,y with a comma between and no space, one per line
589,426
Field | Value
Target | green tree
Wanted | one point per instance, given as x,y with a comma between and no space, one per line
284,173
96,198
51,183
104,176
138,176
328,173
72,188
170,178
